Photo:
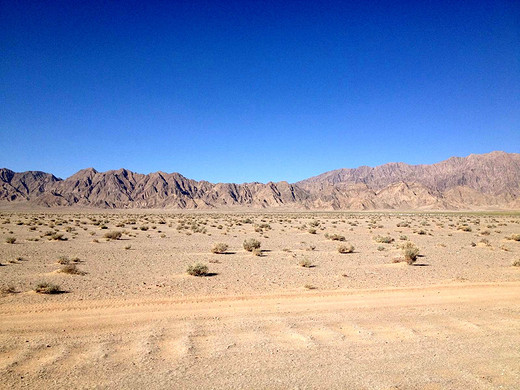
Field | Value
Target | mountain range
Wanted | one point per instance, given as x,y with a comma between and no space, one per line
479,181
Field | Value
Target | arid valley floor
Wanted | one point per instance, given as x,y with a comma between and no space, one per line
297,314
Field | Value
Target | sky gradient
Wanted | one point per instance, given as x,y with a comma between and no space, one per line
255,91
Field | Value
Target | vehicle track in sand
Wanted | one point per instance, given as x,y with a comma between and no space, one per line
449,336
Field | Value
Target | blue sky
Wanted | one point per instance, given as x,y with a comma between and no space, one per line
255,91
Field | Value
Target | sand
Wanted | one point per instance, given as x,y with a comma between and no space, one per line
135,319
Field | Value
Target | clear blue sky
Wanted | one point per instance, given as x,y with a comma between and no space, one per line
255,90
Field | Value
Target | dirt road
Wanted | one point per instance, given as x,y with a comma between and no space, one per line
440,337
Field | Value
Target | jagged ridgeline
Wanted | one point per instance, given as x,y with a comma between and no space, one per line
475,182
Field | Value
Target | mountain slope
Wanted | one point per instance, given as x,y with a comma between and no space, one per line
478,181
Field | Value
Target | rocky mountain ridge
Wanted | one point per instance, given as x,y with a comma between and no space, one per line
478,181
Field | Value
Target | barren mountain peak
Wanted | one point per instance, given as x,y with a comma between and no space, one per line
490,180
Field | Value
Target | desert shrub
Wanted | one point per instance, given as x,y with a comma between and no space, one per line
47,288
381,248
128,247
71,269
516,263
312,231
403,224
10,240
115,235
6,290
257,252
403,238
410,252
336,237
465,228
384,239
63,260
514,237
346,248
251,244
198,269
305,263
484,242
57,237
219,247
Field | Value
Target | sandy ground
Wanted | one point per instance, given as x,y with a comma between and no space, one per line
135,319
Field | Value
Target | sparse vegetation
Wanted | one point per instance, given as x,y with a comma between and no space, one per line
6,290
198,269
384,239
115,235
410,252
219,248
346,248
251,244
10,240
305,263
47,288
71,269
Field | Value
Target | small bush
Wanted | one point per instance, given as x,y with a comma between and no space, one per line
10,240
251,244
57,237
219,248
128,247
63,260
305,263
514,237
257,252
336,237
312,231
346,248
47,288
410,252
516,263
6,290
198,269
384,240
115,235
71,269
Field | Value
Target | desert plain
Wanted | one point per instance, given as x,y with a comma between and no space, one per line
293,314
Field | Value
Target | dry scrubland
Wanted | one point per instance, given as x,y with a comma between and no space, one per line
252,300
